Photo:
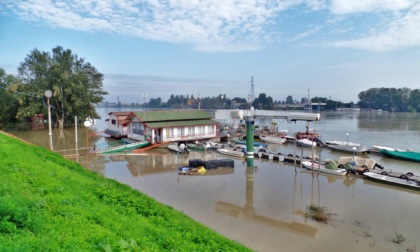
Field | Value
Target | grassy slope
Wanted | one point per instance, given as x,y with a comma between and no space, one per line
49,203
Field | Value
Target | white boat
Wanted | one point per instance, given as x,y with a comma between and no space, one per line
334,142
234,153
178,148
323,167
306,143
350,149
273,139
393,181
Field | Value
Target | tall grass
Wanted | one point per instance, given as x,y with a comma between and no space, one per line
48,203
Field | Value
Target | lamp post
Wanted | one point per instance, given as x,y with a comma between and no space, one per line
87,124
347,138
48,94
354,152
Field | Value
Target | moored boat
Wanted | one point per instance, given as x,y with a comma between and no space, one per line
330,167
125,147
273,139
334,142
257,144
403,155
392,180
233,152
178,148
306,143
350,149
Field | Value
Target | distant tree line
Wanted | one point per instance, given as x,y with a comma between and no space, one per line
387,99
390,99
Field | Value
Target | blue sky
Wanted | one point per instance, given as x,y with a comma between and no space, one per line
335,48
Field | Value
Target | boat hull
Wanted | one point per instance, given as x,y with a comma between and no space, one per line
126,147
404,155
316,166
393,181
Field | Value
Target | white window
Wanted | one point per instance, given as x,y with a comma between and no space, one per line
210,129
191,131
181,131
201,130
170,132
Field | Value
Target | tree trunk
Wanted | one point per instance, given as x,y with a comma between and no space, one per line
61,123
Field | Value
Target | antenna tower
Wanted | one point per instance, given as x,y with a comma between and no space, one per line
251,95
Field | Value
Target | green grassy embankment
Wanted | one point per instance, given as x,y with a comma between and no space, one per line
48,203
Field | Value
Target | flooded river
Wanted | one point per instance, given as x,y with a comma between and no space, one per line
264,207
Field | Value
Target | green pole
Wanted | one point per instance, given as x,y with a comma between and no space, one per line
250,141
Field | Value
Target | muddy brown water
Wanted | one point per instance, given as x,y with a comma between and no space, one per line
263,207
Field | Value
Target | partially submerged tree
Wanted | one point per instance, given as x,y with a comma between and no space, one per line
75,84
8,101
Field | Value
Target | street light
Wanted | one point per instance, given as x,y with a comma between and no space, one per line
347,137
87,124
354,152
48,94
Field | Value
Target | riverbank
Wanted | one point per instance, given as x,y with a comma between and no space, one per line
50,203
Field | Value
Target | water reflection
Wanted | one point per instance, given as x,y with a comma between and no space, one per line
247,212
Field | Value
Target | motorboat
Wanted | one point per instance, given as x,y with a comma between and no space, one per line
329,166
403,155
231,152
393,180
275,139
178,148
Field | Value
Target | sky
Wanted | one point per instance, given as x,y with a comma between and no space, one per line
157,48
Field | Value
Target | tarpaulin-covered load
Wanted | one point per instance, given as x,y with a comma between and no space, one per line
211,164
332,165
360,162
196,163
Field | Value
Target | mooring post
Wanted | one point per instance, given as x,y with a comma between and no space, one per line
249,120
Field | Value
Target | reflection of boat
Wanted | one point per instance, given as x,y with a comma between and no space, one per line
404,155
125,147
326,167
234,153
273,139
393,181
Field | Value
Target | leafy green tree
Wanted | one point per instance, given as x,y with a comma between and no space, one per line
414,100
289,99
75,84
8,101
263,102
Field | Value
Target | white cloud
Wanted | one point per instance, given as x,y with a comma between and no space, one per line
357,6
235,25
402,31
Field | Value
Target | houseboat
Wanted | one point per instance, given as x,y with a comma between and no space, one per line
167,126
117,124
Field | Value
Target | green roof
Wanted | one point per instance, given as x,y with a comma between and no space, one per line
156,125
173,115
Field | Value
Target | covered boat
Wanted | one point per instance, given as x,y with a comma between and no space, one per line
330,166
